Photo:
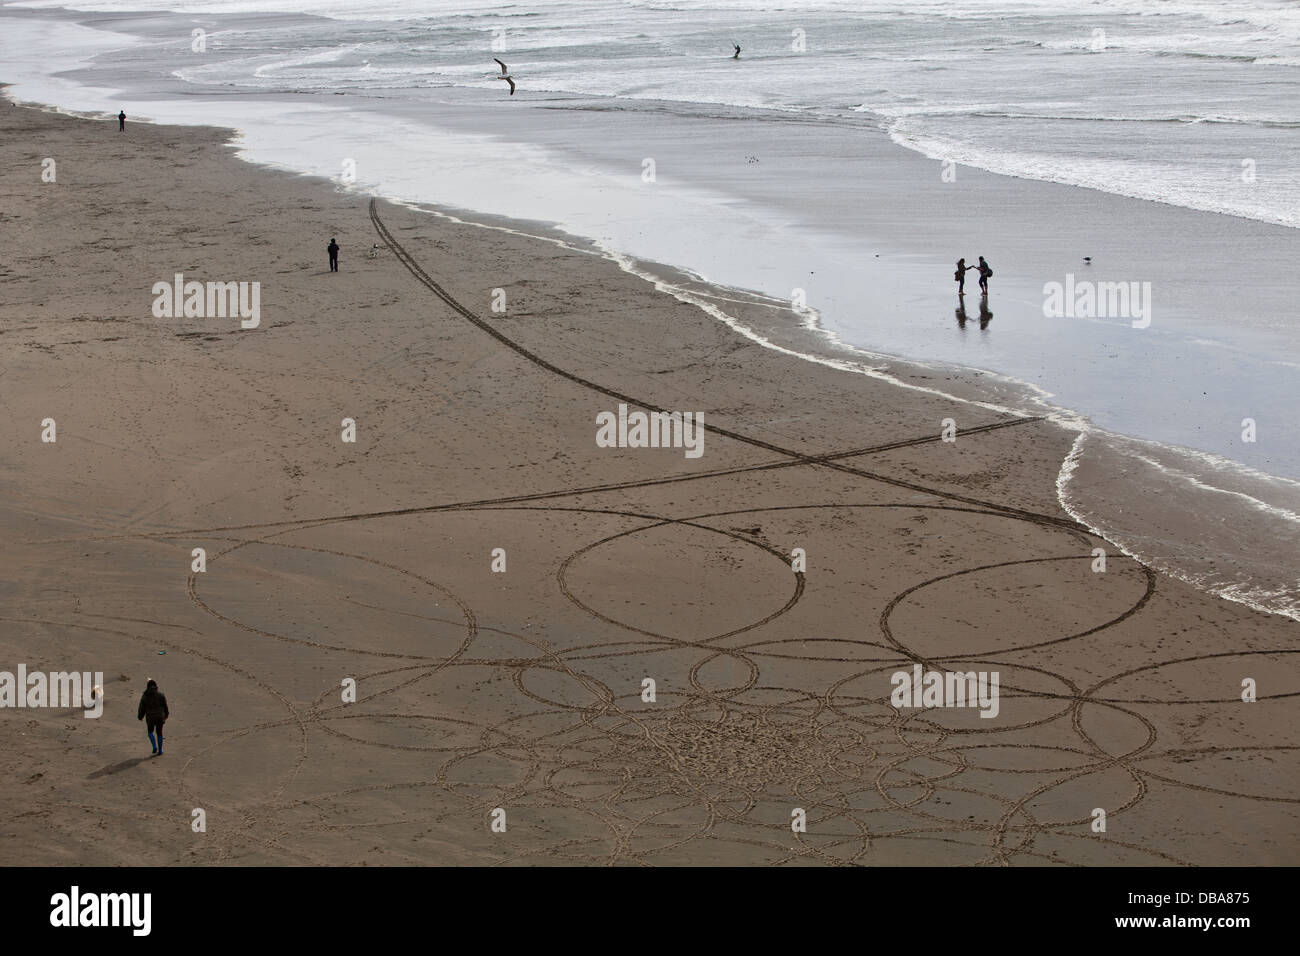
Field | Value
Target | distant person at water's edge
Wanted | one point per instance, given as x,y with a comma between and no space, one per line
960,275
121,121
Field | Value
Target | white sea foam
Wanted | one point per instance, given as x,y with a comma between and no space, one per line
1226,529
1154,181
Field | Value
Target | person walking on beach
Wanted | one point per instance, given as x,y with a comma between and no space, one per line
153,710
333,250
121,121
960,275
985,272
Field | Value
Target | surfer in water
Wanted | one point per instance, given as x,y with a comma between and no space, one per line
736,55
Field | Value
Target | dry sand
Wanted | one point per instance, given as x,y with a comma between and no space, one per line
523,690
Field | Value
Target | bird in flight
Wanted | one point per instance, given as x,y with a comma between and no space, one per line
505,75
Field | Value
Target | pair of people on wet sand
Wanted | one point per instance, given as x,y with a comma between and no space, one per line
962,269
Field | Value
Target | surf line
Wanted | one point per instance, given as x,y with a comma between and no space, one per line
639,429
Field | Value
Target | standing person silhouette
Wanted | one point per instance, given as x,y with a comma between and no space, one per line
985,272
153,707
121,121
333,250
960,275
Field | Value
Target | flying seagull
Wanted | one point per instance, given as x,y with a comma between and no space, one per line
505,75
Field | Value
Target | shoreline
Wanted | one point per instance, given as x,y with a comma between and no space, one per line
523,689
1254,570
1216,490
1105,387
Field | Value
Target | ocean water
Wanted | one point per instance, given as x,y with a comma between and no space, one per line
813,166
1139,97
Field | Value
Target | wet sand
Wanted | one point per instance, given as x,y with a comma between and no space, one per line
523,689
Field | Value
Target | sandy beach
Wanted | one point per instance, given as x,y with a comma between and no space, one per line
523,689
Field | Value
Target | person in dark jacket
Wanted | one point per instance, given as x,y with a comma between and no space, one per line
153,706
960,275
333,250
